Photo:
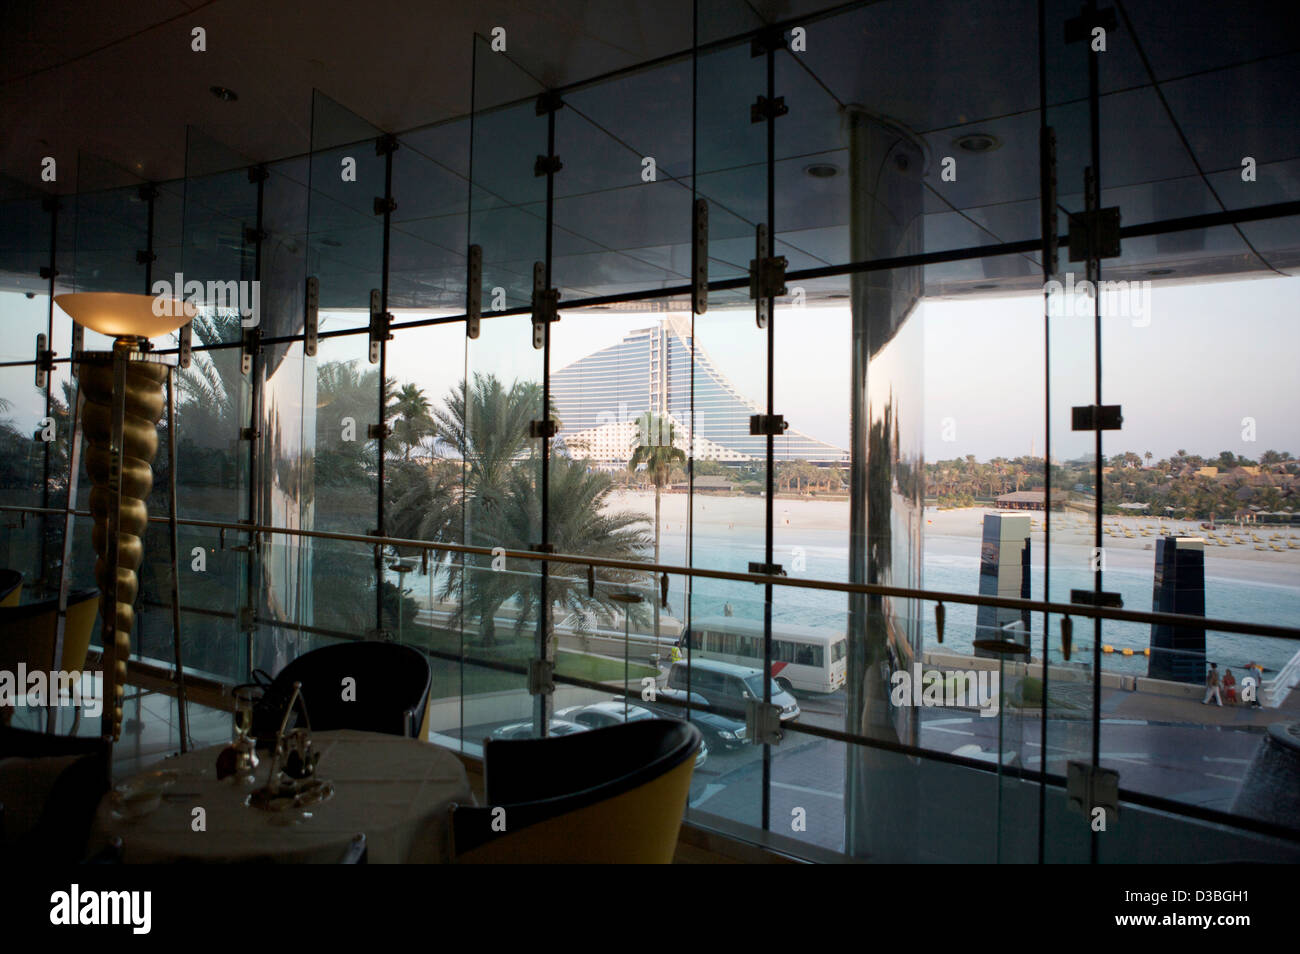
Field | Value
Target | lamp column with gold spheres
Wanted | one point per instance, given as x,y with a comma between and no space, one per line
123,400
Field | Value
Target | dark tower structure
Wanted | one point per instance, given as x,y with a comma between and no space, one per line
1178,652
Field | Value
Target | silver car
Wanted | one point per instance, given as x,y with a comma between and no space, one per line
598,715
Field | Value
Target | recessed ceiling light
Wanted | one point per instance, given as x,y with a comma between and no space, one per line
1160,271
822,170
978,142
223,93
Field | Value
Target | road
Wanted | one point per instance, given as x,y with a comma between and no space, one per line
1202,765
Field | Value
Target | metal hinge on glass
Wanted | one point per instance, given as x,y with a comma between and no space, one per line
760,425
764,108
1080,29
549,101
1095,235
541,677
473,291
1097,417
546,305
766,276
246,624
44,360
767,39
547,165
547,428
243,547
700,258
1047,187
185,341
1093,598
767,569
311,321
79,345
763,722
379,322
1090,787
252,343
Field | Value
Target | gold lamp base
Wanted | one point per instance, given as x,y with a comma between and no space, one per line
117,566
122,388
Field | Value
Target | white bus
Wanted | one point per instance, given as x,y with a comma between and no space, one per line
804,658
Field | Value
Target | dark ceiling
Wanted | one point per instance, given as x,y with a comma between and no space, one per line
120,80
1188,91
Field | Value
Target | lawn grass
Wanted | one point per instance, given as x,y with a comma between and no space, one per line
516,652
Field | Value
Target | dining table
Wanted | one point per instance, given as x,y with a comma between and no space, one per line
397,791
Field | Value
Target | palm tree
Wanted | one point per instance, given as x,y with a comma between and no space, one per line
486,425
411,408
211,388
654,447
424,501
346,399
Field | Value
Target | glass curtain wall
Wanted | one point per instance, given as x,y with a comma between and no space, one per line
911,403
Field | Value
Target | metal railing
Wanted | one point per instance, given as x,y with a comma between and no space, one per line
155,674
1086,610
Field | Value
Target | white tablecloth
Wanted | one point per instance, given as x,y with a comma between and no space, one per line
397,791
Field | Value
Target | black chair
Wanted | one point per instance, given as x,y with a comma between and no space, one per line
110,854
356,853
68,795
390,689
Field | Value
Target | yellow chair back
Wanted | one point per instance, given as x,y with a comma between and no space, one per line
637,827
28,633
608,796
11,588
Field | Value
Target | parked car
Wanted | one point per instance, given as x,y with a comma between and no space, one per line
597,715
524,730
728,687
721,732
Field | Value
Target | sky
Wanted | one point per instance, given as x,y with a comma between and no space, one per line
1207,356
1186,370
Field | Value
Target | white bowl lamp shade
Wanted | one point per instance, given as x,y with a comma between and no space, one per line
119,314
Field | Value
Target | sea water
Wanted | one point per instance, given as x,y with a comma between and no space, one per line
951,564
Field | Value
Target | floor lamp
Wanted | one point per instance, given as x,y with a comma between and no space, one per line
123,393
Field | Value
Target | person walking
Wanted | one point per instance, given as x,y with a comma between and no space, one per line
1212,685
1257,671
1229,687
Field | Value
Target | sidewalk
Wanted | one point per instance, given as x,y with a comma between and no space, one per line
1122,704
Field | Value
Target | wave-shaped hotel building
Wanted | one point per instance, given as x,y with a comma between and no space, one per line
599,399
